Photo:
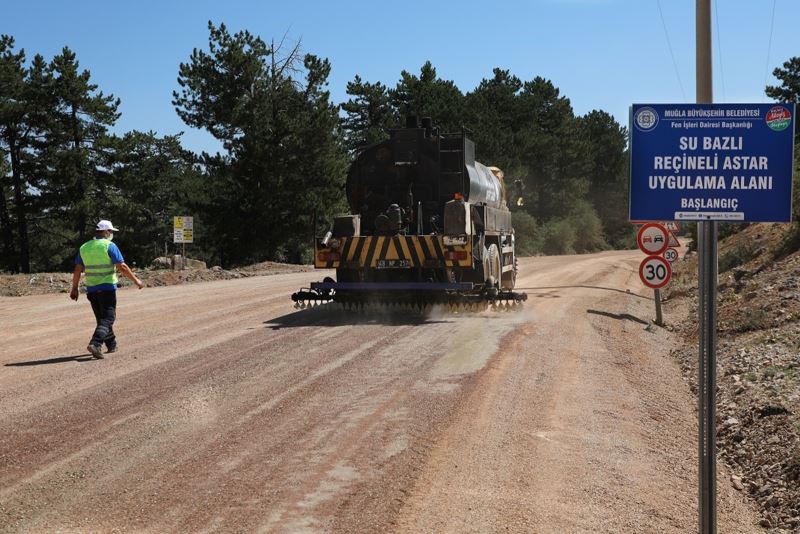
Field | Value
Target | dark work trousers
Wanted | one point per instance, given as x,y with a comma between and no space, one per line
104,306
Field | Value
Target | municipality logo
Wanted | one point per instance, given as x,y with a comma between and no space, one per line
646,119
779,118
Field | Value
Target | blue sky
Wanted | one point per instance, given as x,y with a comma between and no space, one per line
602,54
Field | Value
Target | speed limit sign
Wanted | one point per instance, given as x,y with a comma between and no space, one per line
655,272
671,255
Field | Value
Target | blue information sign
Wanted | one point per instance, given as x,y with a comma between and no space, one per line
711,162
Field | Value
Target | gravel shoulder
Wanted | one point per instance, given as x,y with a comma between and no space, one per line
20,285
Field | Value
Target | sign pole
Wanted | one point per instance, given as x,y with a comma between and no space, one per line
657,298
707,379
707,308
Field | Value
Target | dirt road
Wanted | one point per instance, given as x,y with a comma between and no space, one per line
226,410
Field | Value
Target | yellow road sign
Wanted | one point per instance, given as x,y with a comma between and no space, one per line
183,229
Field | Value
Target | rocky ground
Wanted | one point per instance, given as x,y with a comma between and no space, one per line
18,285
758,402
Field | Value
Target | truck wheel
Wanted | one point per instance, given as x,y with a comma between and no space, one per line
509,279
494,264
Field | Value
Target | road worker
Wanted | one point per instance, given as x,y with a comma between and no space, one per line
100,259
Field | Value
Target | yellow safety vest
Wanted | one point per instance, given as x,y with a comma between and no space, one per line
99,268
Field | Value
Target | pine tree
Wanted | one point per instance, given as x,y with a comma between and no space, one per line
78,148
491,113
281,134
552,152
789,89
15,138
369,114
427,95
9,254
153,180
789,75
606,143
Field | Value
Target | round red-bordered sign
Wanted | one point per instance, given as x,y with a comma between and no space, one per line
655,272
652,239
671,255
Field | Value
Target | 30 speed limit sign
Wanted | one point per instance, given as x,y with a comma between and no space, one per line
655,272
671,255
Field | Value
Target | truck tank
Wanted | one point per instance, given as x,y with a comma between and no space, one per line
420,168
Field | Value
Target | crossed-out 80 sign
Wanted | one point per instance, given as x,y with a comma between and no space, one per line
655,272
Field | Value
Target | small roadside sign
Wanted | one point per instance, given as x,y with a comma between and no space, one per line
673,241
183,229
655,272
652,238
671,255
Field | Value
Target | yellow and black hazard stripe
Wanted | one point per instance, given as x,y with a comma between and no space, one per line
427,251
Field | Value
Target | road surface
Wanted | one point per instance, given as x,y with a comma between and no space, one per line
226,410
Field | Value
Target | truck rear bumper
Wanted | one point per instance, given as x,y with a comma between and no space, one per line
389,286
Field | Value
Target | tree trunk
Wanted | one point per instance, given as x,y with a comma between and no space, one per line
80,225
8,236
19,205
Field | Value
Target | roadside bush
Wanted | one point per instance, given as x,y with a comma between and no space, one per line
723,230
793,464
736,257
728,229
752,319
791,241
690,231
559,237
626,241
526,234
588,228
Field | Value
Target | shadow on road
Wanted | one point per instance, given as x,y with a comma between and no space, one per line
618,316
623,291
320,316
59,359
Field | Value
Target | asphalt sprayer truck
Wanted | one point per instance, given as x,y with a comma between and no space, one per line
428,225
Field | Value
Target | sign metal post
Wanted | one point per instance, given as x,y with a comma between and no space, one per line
707,309
659,316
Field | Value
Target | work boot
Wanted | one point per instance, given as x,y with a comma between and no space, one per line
109,350
95,351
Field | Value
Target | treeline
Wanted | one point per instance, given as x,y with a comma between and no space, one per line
285,151
61,169
574,168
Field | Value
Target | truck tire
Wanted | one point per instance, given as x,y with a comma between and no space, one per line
509,279
495,269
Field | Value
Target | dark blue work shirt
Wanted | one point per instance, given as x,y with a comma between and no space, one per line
116,257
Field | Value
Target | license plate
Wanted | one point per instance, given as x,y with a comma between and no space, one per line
393,264
455,240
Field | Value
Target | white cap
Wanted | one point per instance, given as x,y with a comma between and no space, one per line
105,225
